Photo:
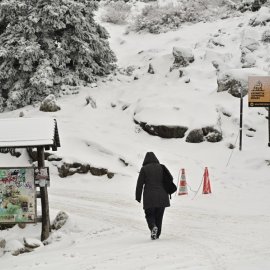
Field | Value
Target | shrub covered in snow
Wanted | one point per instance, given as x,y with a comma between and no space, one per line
252,5
116,12
167,15
157,19
44,44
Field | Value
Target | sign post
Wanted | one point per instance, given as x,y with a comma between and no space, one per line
269,125
259,94
45,230
241,121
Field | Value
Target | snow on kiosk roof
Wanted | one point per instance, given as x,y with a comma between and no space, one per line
29,132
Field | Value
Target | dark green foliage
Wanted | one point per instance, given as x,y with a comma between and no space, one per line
44,44
253,5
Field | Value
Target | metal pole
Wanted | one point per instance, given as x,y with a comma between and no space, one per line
269,125
45,231
241,121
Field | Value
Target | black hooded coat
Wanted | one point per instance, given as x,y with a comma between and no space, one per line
150,183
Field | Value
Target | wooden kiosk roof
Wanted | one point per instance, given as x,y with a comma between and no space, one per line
29,133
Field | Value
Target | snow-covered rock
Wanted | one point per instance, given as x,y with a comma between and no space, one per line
262,17
212,135
49,104
266,36
173,122
235,81
250,40
248,60
90,100
209,134
32,243
60,220
151,69
213,55
182,57
164,131
195,136
15,247
67,169
2,243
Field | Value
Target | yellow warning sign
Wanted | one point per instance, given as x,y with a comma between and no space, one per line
259,91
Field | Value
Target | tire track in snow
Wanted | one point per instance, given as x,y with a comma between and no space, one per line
119,214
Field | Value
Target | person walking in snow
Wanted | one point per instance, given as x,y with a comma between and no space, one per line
155,198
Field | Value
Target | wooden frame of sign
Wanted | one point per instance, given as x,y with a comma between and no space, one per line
44,135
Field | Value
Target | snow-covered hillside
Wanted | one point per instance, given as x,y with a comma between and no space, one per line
228,229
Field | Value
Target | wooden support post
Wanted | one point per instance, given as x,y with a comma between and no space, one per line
45,231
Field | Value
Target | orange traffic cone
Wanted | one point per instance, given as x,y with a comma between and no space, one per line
206,182
183,184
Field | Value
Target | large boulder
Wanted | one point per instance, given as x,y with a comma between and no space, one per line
161,118
49,104
165,122
163,131
262,17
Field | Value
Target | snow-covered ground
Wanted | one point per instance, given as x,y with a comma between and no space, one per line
228,229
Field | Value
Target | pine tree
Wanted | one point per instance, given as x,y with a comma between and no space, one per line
47,43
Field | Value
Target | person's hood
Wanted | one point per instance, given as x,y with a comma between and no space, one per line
150,158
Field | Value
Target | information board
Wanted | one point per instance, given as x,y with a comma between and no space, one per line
17,195
259,91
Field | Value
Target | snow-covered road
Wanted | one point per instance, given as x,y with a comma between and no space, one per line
107,230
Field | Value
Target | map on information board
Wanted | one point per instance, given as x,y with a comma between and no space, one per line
17,195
